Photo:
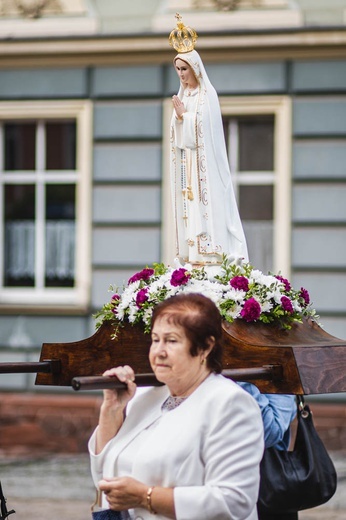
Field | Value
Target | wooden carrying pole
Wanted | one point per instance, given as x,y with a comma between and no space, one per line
268,373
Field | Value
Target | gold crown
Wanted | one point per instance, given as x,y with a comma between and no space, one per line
182,38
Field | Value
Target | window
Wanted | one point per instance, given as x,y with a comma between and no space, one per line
44,179
257,133
250,143
258,139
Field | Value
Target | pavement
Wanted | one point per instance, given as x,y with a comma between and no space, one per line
52,488
60,488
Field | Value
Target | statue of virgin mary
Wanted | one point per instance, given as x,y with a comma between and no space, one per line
206,217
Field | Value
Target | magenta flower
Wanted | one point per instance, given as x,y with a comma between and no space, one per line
115,300
240,282
287,304
180,277
305,295
142,297
251,310
285,282
145,274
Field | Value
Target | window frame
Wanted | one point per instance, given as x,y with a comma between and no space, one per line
281,108
35,299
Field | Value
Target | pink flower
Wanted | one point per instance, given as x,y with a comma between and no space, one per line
180,277
115,300
305,295
240,282
251,310
141,297
287,304
145,274
285,282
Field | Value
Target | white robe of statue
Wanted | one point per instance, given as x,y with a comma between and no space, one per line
206,217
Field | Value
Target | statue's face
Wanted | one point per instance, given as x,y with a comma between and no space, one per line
185,73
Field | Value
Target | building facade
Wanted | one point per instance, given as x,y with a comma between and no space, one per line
85,104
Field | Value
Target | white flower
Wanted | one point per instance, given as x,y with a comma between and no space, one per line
235,294
234,313
132,313
266,306
296,306
120,312
148,314
277,295
263,279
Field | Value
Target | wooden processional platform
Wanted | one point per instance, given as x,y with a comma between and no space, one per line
302,360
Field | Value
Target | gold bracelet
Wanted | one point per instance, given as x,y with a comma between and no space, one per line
150,508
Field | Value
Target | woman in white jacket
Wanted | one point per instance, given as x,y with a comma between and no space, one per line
188,450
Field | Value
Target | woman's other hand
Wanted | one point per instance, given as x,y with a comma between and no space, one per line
112,411
120,398
124,493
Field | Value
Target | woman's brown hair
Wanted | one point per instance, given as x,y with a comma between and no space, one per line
201,320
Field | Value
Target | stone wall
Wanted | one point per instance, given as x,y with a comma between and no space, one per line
330,422
33,424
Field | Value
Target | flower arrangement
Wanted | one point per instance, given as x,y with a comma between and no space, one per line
239,291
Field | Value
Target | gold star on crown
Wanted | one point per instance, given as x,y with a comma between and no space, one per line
183,37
